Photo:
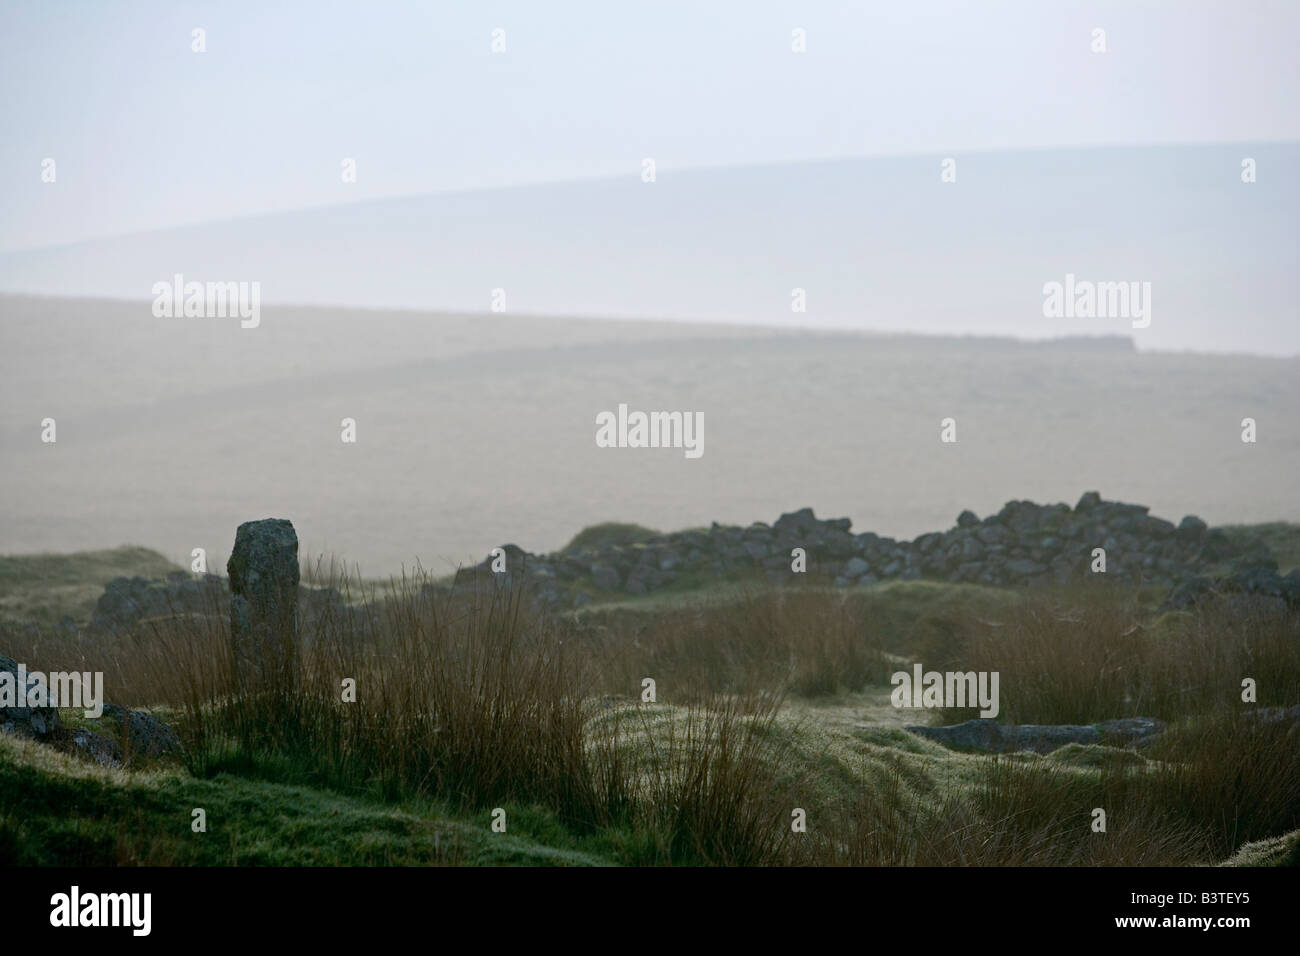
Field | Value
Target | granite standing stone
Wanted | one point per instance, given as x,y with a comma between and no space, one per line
263,570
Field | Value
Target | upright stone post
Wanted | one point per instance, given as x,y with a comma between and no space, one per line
263,570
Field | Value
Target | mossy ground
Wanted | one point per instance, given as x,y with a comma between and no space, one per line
60,810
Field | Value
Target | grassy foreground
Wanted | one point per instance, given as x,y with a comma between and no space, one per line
771,708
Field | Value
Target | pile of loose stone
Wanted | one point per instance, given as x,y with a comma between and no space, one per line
1023,544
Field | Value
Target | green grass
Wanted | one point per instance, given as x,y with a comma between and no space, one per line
613,533
56,810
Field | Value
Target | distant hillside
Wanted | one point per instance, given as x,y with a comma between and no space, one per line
878,244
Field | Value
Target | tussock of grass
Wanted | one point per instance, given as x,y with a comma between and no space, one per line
1278,851
1096,755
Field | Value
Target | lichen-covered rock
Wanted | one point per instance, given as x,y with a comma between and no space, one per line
856,567
90,745
17,717
988,736
143,733
605,577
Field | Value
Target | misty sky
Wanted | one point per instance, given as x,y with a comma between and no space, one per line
146,133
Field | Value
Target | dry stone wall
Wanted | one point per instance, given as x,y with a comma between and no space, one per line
1023,544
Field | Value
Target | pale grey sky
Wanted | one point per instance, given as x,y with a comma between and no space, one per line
146,133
